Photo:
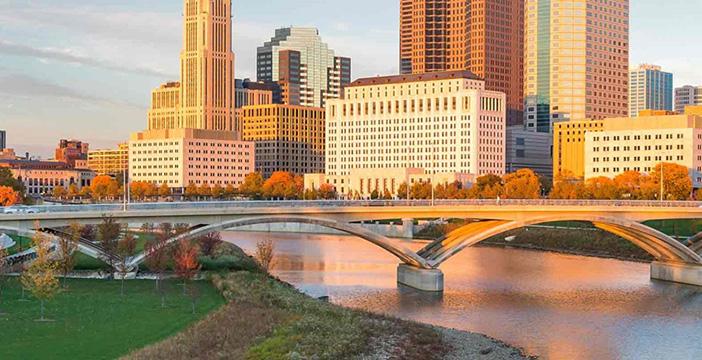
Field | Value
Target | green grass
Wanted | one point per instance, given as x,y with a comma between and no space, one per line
269,320
678,228
92,320
23,243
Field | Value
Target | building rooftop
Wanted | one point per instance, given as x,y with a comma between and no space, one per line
398,79
36,165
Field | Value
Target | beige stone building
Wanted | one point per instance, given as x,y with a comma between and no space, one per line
443,122
362,183
41,177
179,157
640,143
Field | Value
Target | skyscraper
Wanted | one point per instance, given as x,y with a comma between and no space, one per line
204,98
304,66
3,139
649,89
485,37
193,137
576,60
687,96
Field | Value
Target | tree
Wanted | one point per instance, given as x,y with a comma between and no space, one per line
265,252
125,249
191,191
40,277
164,191
100,185
252,186
6,179
85,192
137,190
8,196
205,190
150,190
602,188
374,194
186,263
209,242
629,184
73,191
327,191
158,255
59,192
114,190
677,184
217,191
567,186
4,268
420,190
147,228
281,184
67,245
88,232
486,187
522,184
108,232
229,191
402,191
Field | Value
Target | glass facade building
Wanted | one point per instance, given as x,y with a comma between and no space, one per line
649,89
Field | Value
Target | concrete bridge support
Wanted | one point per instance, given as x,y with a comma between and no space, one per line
690,274
431,280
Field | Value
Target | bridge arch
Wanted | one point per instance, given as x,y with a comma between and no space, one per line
659,245
401,252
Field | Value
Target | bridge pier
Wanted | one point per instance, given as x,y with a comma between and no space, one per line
690,274
431,280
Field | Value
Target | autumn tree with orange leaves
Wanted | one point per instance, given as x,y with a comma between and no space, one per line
8,196
186,263
282,185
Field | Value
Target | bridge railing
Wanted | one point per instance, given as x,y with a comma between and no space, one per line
106,208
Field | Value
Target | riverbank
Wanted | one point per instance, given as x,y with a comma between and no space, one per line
269,319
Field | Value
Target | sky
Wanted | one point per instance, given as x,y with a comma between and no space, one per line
84,69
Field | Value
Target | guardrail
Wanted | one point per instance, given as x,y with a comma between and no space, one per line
357,203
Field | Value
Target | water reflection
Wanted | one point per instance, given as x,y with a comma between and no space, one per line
553,305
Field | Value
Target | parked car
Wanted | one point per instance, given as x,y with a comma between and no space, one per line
19,209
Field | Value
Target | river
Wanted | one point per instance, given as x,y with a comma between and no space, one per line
552,305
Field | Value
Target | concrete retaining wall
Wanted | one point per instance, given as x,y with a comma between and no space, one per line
400,231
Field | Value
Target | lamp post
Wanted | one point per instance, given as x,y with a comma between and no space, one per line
662,187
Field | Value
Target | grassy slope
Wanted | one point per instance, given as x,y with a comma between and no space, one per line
268,319
92,321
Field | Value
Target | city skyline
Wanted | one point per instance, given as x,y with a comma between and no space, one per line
80,67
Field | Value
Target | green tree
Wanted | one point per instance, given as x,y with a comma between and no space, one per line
108,232
40,277
6,179
125,249
67,246
4,269
252,186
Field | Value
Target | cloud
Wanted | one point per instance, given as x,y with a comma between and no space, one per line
68,55
28,87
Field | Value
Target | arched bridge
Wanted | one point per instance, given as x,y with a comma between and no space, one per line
674,261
